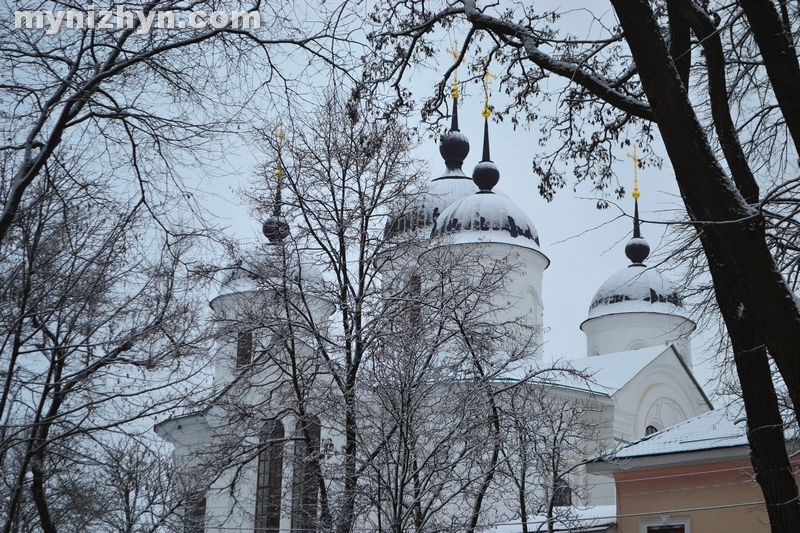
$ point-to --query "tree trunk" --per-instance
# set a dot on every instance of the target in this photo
(730, 229)
(764, 423)
(755, 301)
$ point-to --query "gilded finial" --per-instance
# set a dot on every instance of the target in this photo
(635, 177)
(455, 53)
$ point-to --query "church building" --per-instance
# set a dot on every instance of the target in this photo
(636, 373)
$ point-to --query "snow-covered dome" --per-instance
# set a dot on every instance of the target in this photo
(636, 289)
(487, 216)
(270, 269)
(277, 265)
(451, 186)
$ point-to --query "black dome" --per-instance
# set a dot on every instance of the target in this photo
(275, 229)
(454, 148)
(637, 250)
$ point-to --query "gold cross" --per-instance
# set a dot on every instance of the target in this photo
(486, 75)
(281, 140)
(455, 53)
(635, 177)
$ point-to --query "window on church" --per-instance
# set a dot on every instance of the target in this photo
(649, 430)
(244, 349)
(305, 487)
(415, 307)
(562, 496)
(195, 517)
(269, 478)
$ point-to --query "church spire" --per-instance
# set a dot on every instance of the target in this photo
(486, 174)
(637, 248)
(275, 228)
(454, 146)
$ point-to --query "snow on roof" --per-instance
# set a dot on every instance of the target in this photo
(721, 428)
(577, 519)
(487, 217)
(613, 371)
(635, 289)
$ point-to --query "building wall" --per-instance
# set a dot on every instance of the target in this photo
(690, 492)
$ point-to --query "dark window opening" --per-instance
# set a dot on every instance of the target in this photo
(270, 476)
(562, 496)
(649, 430)
(415, 290)
(306, 486)
(244, 349)
(195, 517)
(678, 528)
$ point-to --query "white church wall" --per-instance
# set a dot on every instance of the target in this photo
(621, 332)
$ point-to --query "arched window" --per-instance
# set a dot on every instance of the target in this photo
(649, 430)
(306, 486)
(268, 483)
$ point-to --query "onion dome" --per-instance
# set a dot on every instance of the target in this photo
(636, 288)
(637, 248)
(487, 216)
(451, 186)
(276, 229)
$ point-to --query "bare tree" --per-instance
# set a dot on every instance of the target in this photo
(137, 97)
(551, 431)
(99, 330)
(359, 364)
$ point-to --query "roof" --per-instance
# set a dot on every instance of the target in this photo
(487, 217)
(613, 371)
(721, 428)
(635, 289)
(596, 518)
(270, 267)
(713, 437)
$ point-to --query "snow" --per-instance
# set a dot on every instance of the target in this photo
(714, 429)
(487, 217)
(268, 266)
(613, 371)
(580, 519)
(635, 289)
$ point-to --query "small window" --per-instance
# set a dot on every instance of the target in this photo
(649, 430)
(562, 496)
(195, 518)
(244, 349)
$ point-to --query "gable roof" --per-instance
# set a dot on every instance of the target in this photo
(613, 371)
